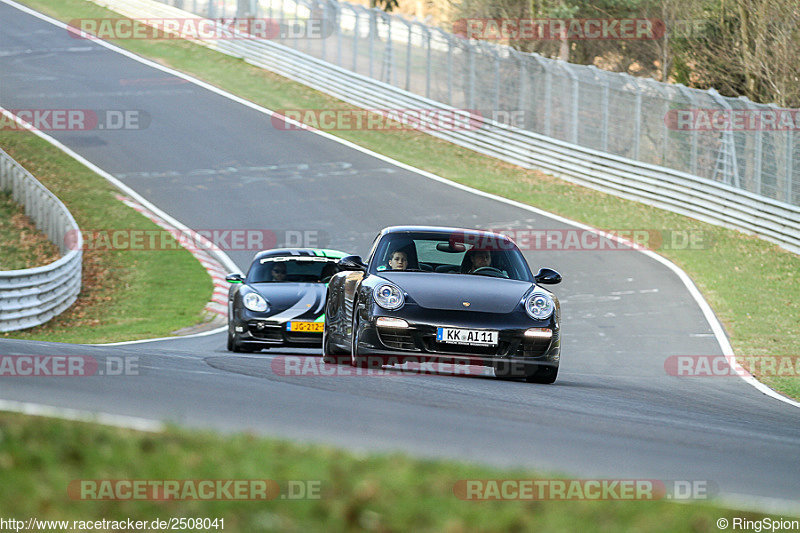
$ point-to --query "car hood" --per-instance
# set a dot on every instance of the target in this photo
(293, 300)
(450, 291)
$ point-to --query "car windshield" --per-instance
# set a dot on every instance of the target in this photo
(292, 269)
(450, 253)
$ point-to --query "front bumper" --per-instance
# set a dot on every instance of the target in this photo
(267, 332)
(418, 342)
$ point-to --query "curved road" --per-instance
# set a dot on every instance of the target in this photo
(213, 163)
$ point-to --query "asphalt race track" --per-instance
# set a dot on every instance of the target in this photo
(211, 162)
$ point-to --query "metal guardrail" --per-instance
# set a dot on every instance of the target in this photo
(702, 198)
(35, 295)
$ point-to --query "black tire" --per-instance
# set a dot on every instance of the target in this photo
(543, 374)
(331, 355)
(355, 359)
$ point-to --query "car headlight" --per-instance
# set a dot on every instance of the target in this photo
(255, 302)
(388, 296)
(539, 306)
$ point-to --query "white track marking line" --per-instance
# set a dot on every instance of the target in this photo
(708, 313)
(121, 421)
(220, 329)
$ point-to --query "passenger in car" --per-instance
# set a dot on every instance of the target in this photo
(399, 260)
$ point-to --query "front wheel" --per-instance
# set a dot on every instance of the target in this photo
(356, 360)
(331, 355)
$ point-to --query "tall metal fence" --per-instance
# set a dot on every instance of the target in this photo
(615, 113)
(33, 296)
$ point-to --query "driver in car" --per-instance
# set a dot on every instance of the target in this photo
(279, 272)
(480, 259)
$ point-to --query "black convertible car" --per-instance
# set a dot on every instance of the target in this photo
(281, 300)
(445, 295)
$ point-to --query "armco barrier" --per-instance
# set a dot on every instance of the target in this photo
(35, 295)
(680, 192)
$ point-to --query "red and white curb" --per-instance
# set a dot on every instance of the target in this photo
(219, 298)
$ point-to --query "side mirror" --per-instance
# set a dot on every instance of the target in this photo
(547, 276)
(234, 278)
(353, 263)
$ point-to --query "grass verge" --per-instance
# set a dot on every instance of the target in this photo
(39, 458)
(126, 294)
(22, 245)
(752, 285)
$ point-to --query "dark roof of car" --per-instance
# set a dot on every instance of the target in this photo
(312, 252)
(440, 229)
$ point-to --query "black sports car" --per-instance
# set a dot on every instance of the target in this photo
(282, 299)
(445, 295)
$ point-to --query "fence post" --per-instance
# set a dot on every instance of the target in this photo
(757, 152)
(523, 71)
(637, 123)
(450, 69)
(471, 76)
(355, 39)
(296, 18)
(574, 97)
(605, 105)
(388, 53)
(337, 13)
(410, 31)
(373, 29)
(427, 62)
(789, 164)
(496, 81)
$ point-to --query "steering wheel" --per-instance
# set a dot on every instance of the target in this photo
(490, 271)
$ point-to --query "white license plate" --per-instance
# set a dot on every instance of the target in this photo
(476, 337)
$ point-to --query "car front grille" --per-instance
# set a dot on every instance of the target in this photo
(268, 333)
(534, 347)
(397, 339)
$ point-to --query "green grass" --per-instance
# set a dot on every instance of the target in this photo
(126, 294)
(40, 457)
(22, 245)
